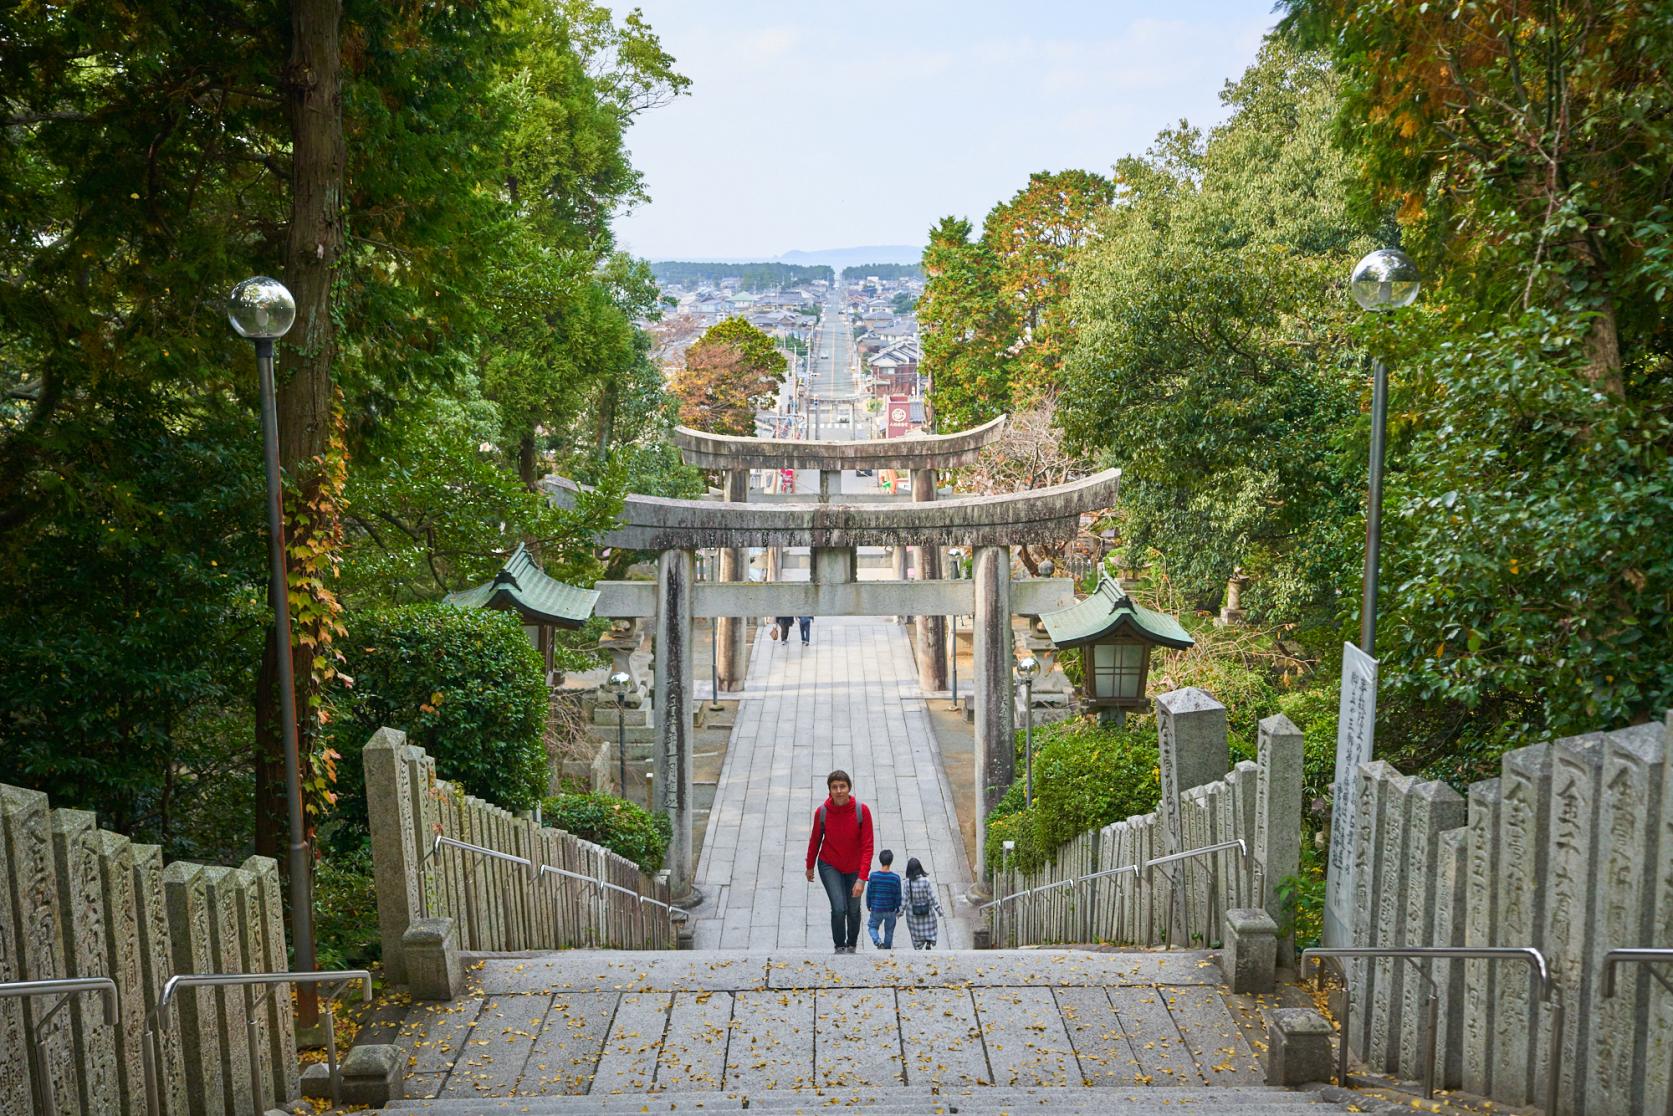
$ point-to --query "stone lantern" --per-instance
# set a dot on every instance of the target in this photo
(1116, 635)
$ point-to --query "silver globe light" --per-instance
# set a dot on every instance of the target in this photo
(1047, 567)
(1028, 668)
(261, 309)
(1386, 279)
(619, 683)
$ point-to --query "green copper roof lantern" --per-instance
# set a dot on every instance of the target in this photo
(523, 587)
(1117, 634)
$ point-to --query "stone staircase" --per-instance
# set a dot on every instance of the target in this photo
(1054, 1031)
(908, 1101)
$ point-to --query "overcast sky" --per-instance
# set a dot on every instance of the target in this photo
(854, 122)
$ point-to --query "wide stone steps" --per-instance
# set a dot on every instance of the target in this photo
(1252, 1100)
(801, 1030)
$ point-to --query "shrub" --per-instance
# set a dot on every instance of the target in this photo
(625, 829)
(1085, 777)
(465, 685)
(346, 910)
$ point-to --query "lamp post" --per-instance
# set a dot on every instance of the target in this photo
(619, 683)
(262, 310)
(1027, 669)
(1385, 280)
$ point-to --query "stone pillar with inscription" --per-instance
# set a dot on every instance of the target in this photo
(1191, 741)
(1657, 1048)
(1389, 913)
(83, 928)
(1368, 818)
(115, 857)
(1448, 930)
(1524, 817)
(1627, 865)
(1481, 904)
(674, 708)
(1355, 729)
(1277, 820)
(1435, 809)
(232, 1002)
(281, 1022)
(395, 856)
(1570, 884)
(157, 965)
(188, 923)
(732, 631)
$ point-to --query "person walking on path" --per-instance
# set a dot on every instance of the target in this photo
(840, 845)
(883, 901)
(781, 627)
(921, 905)
(806, 624)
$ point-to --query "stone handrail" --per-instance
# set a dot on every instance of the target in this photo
(86, 905)
(440, 853)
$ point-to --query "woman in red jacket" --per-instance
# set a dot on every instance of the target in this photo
(841, 845)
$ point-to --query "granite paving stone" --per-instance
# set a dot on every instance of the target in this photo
(848, 700)
(940, 1037)
(565, 1056)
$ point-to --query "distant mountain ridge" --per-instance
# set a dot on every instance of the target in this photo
(837, 258)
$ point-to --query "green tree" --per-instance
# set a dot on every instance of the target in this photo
(967, 327)
(1525, 151)
(1034, 236)
(1212, 362)
(730, 373)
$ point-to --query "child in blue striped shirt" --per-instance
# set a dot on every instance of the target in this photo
(883, 901)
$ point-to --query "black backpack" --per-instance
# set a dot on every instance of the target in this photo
(920, 907)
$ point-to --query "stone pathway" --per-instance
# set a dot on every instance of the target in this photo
(576, 1023)
(850, 701)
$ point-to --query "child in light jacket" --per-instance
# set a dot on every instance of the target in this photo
(922, 906)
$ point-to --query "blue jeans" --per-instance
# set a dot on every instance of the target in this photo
(805, 623)
(845, 905)
(887, 922)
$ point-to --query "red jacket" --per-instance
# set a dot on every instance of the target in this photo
(847, 838)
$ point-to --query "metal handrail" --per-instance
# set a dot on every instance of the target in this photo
(1136, 869)
(537, 872)
(1634, 956)
(1213, 882)
(63, 988)
(1539, 975)
(335, 980)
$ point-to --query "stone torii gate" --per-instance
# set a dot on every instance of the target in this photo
(832, 528)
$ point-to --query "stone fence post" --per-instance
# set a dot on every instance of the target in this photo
(1277, 848)
(395, 855)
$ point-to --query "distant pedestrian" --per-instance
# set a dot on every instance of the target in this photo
(806, 624)
(841, 845)
(782, 630)
(883, 901)
(921, 905)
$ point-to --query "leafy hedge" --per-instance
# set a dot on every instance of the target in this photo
(465, 685)
(617, 824)
(1085, 776)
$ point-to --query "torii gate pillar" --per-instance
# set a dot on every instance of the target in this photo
(732, 630)
(674, 706)
(931, 630)
(996, 750)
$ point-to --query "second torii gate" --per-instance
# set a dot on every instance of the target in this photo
(989, 524)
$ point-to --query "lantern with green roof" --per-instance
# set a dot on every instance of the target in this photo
(1116, 634)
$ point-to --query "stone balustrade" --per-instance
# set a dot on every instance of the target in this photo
(1570, 851)
(78, 901)
(496, 904)
(1184, 902)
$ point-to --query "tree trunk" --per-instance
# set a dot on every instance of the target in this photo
(311, 85)
(1603, 339)
(527, 462)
